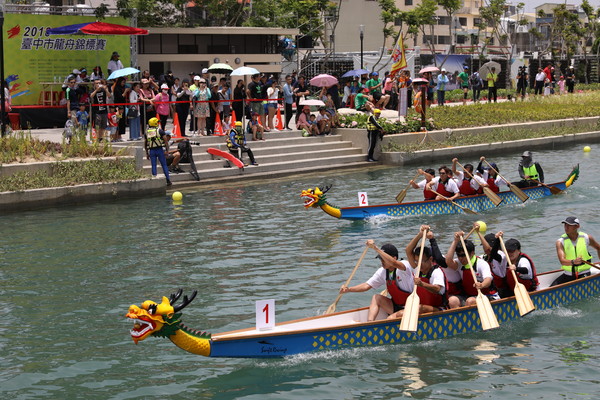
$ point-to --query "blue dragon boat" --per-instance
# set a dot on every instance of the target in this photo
(316, 198)
(345, 329)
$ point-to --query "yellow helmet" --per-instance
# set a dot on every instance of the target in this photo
(377, 111)
(153, 121)
(238, 123)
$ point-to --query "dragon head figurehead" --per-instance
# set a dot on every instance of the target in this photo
(163, 320)
(316, 198)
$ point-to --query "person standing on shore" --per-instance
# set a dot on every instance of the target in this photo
(156, 146)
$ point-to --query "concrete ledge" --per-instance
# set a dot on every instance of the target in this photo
(428, 156)
(50, 197)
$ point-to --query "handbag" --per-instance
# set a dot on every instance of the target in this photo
(133, 112)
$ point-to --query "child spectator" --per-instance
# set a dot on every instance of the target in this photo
(561, 85)
(313, 125)
(226, 123)
(547, 87)
(323, 121)
(113, 122)
(255, 128)
(82, 118)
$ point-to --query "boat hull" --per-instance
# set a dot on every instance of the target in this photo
(439, 207)
(433, 326)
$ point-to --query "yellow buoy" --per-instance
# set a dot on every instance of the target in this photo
(587, 149)
(177, 196)
(482, 226)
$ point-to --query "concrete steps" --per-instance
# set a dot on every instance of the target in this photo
(281, 153)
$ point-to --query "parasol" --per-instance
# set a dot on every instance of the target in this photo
(312, 102)
(241, 71)
(220, 69)
(123, 72)
(323, 80)
(429, 69)
(487, 68)
(355, 72)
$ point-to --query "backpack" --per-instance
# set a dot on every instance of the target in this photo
(475, 80)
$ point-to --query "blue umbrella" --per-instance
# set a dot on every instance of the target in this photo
(123, 72)
(355, 72)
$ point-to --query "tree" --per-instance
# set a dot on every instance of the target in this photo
(589, 30)
(451, 7)
(490, 26)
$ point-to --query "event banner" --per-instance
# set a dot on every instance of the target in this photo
(37, 63)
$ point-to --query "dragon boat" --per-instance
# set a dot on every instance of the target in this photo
(344, 329)
(316, 198)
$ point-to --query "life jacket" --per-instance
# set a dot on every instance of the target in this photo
(465, 188)
(492, 184)
(441, 189)
(428, 298)
(238, 137)
(499, 281)
(428, 194)
(417, 102)
(468, 282)
(372, 124)
(572, 252)
(153, 138)
(531, 172)
(530, 284)
(399, 296)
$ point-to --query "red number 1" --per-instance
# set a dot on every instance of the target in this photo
(266, 311)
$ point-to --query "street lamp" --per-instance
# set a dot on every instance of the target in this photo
(362, 36)
(3, 83)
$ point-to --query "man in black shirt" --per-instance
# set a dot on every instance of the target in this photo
(99, 100)
(254, 94)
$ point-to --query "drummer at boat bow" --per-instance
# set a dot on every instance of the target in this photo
(530, 172)
(572, 250)
(444, 185)
(398, 276)
(482, 269)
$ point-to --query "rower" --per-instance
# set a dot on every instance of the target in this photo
(530, 172)
(469, 182)
(490, 176)
(483, 273)
(572, 250)
(445, 186)
(429, 175)
(521, 263)
(431, 282)
(497, 260)
(396, 274)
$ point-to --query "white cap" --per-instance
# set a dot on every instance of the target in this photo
(76, 71)
(164, 86)
(443, 69)
(197, 78)
(205, 71)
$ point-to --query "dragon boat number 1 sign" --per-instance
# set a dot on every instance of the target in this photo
(265, 314)
(363, 199)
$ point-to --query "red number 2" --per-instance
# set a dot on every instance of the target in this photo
(362, 198)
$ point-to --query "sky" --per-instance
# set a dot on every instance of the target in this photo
(530, 5)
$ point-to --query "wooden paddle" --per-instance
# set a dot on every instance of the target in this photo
(494, 198)
(484, 307)
(591, 264)
(400, 197)
(465, 209)
(410, 317)
(331, 308)
(470, 232)
(524, 301)
(517, 191)
(552, 189)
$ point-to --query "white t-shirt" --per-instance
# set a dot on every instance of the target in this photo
(498, 181)
(404, 279)
(450, 186)
(499, 267)
(483, 269)
(524, 263)
(437, 278)
(322, 117)
(272, 94)
(475, 182)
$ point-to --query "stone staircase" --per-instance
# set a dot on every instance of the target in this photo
(281, 153)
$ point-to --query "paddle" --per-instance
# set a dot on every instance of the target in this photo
(494, 198)
(331, 308)
(518, 192)
(552, 189)
(465, 209)
(410, 317)
(591, 264)
(484, 307)
(470, 232)
(521, 294)
(400, 197)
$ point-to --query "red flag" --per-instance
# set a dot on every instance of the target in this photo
(398, 56)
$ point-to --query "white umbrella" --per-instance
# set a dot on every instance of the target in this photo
(123, 72)
(241, 71)
(487, 68)
(312, 102)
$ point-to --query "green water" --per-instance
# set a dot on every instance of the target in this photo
(68, 276)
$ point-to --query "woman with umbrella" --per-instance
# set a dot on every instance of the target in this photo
(118, 91)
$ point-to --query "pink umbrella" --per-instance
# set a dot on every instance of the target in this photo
(420, 81)
(323, 80)
(429, 69)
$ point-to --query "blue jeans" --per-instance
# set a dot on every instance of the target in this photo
(441, 97)
(134, 128)
(159, 153)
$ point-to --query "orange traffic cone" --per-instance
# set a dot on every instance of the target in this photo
(278, 120)
(232, 118)
(93, 134)
(218, 127)
(176, 133)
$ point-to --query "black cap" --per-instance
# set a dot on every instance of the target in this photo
(526, 154)
(512, 245)
(571, 221)
(390, 250)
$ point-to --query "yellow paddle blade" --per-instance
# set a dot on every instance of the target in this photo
(486, 313)
(519, 193)
(494, 198)
(523, 299)
(410, 317)
(401, 196)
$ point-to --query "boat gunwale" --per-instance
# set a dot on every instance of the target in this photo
(227, 336)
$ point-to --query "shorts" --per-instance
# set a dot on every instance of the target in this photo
(101, 121)
(257, 107)
(271, 105)
(170, 159)
(377, 96)
(397, 307)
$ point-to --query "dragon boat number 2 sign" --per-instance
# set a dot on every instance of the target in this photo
(363, 199)
(265, 314)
